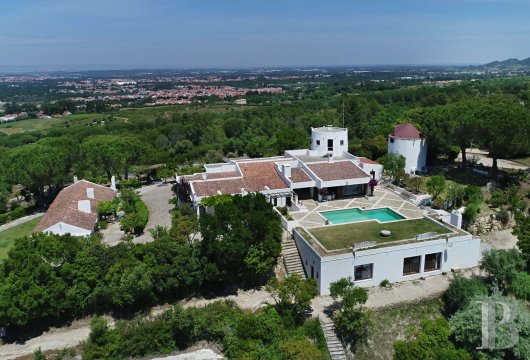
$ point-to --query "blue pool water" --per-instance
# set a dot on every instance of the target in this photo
(354, 215)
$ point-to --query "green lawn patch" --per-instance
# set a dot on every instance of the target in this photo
(344, 236)
(8, 237)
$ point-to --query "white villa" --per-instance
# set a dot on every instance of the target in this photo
(327, 171)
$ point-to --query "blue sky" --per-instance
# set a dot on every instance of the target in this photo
(235, 33)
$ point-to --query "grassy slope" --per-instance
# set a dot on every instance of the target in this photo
(391, 325)
(131, 114)
(344, 236)
(8, 237)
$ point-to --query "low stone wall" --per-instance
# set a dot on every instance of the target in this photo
(489, 223)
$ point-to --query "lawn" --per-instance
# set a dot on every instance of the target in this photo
(30, 125)
(8, 237)
(391, 325)
(344, 236)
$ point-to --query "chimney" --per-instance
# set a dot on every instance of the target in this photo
(90, 193)
(204, 176)
(113, 183)
(287, 170)
(75, 179)
(84, 206)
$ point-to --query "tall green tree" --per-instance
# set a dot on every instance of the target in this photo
(504, 129)
(43, 168)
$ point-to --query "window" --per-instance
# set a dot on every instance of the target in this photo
(363, 272)
(342, 142)
(318, 142)
(391, 140)
(330, 144)
(411, 265)
(432, 262)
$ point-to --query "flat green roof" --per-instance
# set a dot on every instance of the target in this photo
(335, 237)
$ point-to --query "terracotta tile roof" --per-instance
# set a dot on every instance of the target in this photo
(215, 175)
(406, 131)
(225, 186)
(368, 161)
(339, 170)
(65, 206)
(259, 174)
(299, 175)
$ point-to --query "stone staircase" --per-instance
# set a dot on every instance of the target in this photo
(336, 350)
(291, 257)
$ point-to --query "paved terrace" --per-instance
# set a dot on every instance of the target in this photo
(382, 198)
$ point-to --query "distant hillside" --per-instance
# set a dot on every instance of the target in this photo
(509, 64)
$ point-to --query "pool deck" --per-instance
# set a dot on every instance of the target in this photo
(382, 198)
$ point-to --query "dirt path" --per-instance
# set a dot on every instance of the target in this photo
(69, 336)
(20, 221)
(78, 331)
(487, 161)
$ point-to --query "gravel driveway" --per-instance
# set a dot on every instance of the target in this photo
(156, 197)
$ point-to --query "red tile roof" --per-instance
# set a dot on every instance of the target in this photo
(65, 206)
(368, 161)
(257, 176)
(260, 174)
(299, 175)
(225, 186)
(214, 175)
(406, 131)
(338, 170)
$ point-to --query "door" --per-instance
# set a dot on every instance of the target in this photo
(312, 271)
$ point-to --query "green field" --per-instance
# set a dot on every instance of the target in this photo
(31, 125)
(344, 236)
(129, 114)
(8, 237)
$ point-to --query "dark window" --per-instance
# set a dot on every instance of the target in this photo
(363, 272)
(330, 144)
(432, 262)
(342, 142)
(391, 140)
(411, 265)
(317, 274)
(312, 272)
(318, 142)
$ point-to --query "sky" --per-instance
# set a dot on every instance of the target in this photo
(85, 34)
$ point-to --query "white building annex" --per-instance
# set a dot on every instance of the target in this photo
(327, 171)
(393, 261)
(406, 140)
(75, 209)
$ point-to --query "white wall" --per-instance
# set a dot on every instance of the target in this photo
(337, 135)
(378, 168)
(457, 253)
(414, 151)
(62, 228)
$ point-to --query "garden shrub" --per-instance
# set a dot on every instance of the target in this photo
(461, 290)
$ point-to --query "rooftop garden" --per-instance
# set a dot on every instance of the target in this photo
(344, 236)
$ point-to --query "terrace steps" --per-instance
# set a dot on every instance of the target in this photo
(335, 347)
(291, 258)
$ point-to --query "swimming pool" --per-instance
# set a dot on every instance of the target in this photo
(354, 215)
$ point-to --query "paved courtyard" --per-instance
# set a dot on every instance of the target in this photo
(382, 198)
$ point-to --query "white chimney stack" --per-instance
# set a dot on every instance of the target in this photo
(75, 179)
(84, 206)
(90, 193)
(113, 183)
(287, 170)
